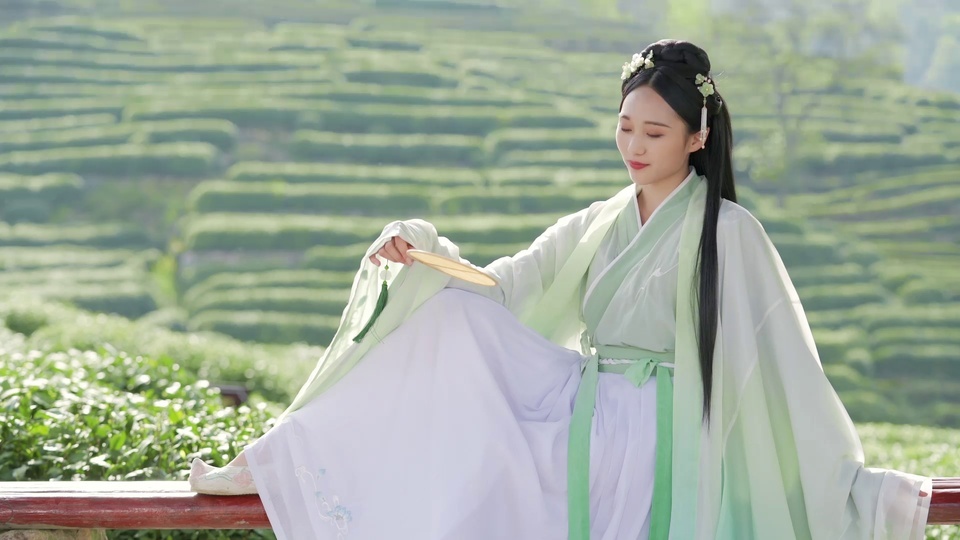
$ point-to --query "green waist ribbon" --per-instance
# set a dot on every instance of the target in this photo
(641, 366)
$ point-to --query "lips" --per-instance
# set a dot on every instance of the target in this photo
(636, 165)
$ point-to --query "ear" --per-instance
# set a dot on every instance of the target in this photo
(694, 144)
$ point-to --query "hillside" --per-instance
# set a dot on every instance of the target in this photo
(225, 173)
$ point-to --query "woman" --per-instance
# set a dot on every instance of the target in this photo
(473, 419)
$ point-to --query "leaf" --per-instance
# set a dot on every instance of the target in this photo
(116, 442)
(101, 461)
(20, 472)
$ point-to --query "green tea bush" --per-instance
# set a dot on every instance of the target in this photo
(130, 299)
(300, 232)
(400, 76)
(828, 297)
(274, 279)
(70, 121)
(839, 158)
(832, 345)
(281, 197)
(458, 201)
(273, 232)
(275, 372)
(174, 159)
(106, 235)
(331, 173)
(203, 265)
(219, 133)
(933, 316)
(435, 118)
(269, 326)
(262, 113)
(261, 298)
(48, 108)
(59, 256)
(34, 199)
(408, 119)
(807, 250)
(606, 181)
(870, 406)
(107, 415)
(910, 361)
(335, 258)
(361, 95)
(76, 138)
(924, 291)
(593, 159)
(838, 275)
(441, 150)
(503, 141)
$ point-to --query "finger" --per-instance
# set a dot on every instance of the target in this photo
(375, 260)
(393, 253)
(402, 247)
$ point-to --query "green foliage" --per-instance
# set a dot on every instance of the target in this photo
(174, 159)
(273, 279)
(262, 113)
(441, 150)
(107, 415)
(274, 372)
(335, 173)
(106, 235)
(849, 296)
(34, 199)
(223, 196)
(837, 275)
(56, 123)
(269, 326)
(67, 257)
(43, 108)
(286, 299)
(798, 250)
(300, 232)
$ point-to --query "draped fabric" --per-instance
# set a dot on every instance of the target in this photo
(780, 458)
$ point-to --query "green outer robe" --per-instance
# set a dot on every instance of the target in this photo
(780, 459)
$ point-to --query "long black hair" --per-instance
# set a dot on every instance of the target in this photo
(673, 77)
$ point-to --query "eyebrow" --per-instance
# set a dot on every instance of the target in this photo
(625, 117)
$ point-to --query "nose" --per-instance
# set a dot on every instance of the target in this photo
(635, 146)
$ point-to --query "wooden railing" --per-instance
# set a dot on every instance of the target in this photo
(171, 505)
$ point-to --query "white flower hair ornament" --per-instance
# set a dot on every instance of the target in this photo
(705, 85)
(635, 64)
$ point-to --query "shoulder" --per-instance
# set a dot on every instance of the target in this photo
(740, 233)
(735, 219)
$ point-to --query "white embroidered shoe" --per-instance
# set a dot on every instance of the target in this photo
(229, 480)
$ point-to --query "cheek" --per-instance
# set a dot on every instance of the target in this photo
(621, 141)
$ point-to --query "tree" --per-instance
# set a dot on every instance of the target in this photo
(800, 53)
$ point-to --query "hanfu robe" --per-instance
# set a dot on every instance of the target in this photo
(780, 457)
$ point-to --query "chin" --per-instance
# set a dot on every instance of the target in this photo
(641, 177)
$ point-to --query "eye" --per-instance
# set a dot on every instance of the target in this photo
(654, 135)
(625, 130)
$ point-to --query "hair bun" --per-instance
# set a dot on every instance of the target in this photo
(683, 56)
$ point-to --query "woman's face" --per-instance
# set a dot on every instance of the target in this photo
(653, 140)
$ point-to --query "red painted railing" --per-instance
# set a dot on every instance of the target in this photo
(170, 505)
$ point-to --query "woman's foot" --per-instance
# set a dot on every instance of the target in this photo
(229, 480)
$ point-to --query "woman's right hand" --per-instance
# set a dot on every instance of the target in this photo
(395, 250)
